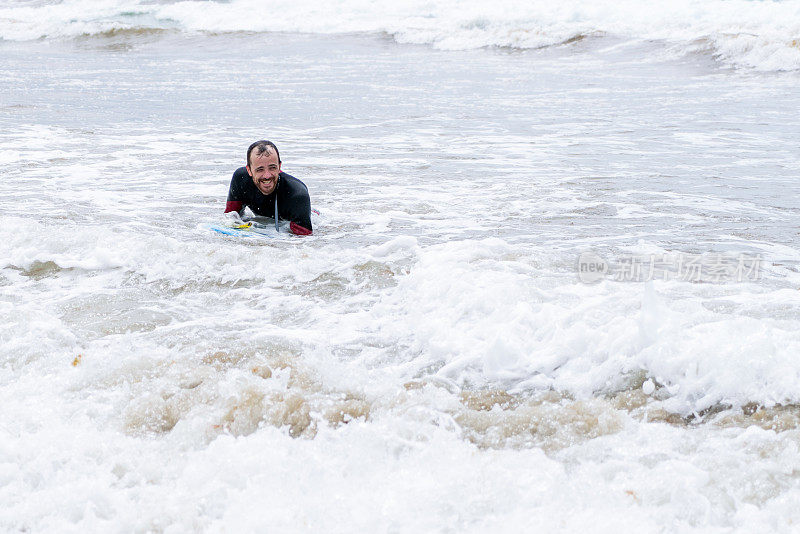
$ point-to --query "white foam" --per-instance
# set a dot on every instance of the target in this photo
(759, 35)
(428, 359)
(8, 156)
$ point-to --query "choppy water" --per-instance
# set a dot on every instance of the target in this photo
(428, 359)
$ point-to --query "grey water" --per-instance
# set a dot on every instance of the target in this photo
(432, 339)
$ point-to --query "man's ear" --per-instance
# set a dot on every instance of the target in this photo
(248, 170)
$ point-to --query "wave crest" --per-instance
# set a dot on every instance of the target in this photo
(739, 33)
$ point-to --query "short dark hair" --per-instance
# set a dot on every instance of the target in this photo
(260, 147)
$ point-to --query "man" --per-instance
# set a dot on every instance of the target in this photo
(259, 183)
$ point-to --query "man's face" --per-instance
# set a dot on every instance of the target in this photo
(264, 169)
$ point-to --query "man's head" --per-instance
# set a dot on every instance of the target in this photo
(264, 165)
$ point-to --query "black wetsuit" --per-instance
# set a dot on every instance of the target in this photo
(294, 204)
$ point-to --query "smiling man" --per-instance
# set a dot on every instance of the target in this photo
(262, 187)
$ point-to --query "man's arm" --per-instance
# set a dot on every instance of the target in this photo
(235, 197)
(300, 214)
(234, 205)
(296, 229)
(297, 207)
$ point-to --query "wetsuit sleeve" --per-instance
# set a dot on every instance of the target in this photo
(300, 213)
(235, 196)
(299, 230)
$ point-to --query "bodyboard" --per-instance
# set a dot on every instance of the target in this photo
(257, 227)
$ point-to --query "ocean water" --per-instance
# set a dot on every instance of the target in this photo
(553, 285)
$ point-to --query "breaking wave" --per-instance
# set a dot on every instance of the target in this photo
(760, 35)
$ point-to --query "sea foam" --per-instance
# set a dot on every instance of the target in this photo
(739, 33)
